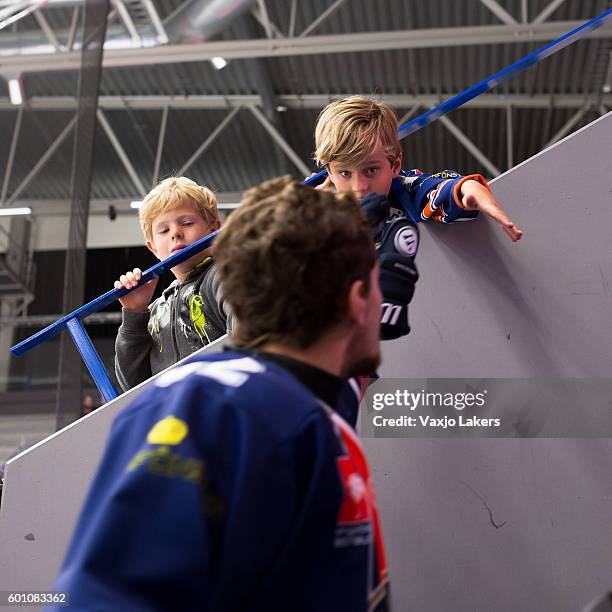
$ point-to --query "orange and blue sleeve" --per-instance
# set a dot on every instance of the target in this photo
(435, 197)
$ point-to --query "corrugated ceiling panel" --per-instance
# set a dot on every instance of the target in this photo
(245, 154)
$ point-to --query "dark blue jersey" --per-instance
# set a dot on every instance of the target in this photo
(228, 486)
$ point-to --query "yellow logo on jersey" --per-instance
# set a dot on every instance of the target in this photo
(168, 431)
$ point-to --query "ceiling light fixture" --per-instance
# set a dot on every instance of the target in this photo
(16, 92)
(218, 62)
(9, 212)
(136, 204)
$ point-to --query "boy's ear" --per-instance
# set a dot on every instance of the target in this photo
(396, 166)
(215, 225)
(152, 248)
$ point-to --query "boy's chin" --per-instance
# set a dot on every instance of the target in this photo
(190, 263)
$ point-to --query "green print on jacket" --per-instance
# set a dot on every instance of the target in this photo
(197, 317)
(155, 331)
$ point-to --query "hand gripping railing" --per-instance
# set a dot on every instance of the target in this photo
(72, 322)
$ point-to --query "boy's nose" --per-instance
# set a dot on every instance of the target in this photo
(361, 186)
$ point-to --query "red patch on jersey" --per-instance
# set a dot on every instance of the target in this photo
(359, 495)
(354, 508)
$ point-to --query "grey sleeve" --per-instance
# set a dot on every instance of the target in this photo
(222, 307)
(132, 349)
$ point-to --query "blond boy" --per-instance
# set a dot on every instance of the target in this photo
(189, 314)
(356, 141)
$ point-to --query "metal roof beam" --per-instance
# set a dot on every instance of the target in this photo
(499, 11)
(260, 12)
(303, 102)
(408, 114)
(47, 155)
(280, 141)
(227, 200)
(47, 30)
(74, 24)
(470, 146)
(322, 17)
(126, 19)
(304, 45)
(160, 145)
(567, 128)
(211, 138)
(162, 35)
(292, 17)
(548, 11)
(15, 17)
(14, 7)
(11, 157)
(125, 160)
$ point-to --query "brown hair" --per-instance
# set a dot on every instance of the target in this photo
(348, 130)
(174, 192)
(287, 258)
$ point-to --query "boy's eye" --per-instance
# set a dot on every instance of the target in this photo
(162, 230)
(187, 223)
(345, 174)
(372, 171)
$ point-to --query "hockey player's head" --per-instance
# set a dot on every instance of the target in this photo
(298, 268)
(174, 215)
(356, 141)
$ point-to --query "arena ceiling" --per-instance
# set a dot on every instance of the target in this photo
(165, 109)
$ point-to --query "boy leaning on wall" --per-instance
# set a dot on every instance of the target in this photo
(190, 313)
(356, 141)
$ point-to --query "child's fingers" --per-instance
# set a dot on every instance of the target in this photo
(514, 233)
(326, 185)
(130, 279)
(127, 281)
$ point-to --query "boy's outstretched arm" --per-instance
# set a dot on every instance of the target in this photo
(475, 196)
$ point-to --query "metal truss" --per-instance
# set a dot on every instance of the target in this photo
(298, 45)
(508, 103)
(140, 190)
(305, 102)
(138, 19)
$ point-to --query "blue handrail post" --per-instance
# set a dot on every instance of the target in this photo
(72, 321)
(92, 359)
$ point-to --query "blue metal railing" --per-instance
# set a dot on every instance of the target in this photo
(491, 81)
(72, 322)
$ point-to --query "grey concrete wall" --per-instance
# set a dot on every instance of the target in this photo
(470, 524)
(44, 489)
